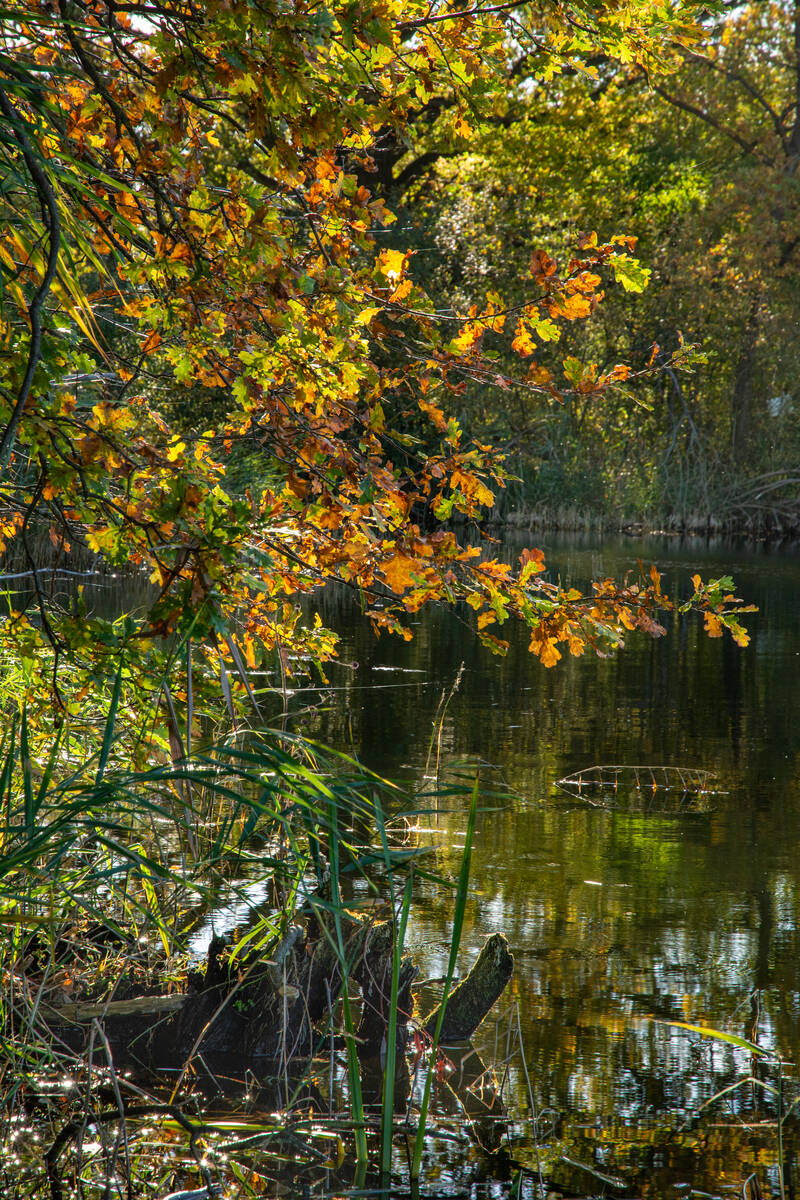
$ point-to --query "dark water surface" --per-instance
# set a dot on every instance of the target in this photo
(628, 915)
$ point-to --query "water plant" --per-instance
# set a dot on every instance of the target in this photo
(106, 875)
(458, 921)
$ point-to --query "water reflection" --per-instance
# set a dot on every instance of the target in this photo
(618, 917)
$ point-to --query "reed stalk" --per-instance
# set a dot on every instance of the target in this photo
(387, 1108)
(455, 941)
(353, 1065)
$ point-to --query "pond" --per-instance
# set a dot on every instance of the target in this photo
(629, 911)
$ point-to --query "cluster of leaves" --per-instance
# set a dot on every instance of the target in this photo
(187, 210)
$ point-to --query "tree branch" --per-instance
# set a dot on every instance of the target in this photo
(707, 117)
(478, 11)
(740, 78)
(794, 139)
(48, 201)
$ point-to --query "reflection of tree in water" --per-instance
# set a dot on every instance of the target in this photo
(617, 916)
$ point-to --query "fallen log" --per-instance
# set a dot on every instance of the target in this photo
(265, 1010)
(374, 976)
(144, 1005)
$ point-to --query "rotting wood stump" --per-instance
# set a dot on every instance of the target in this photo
(469, 1003)
(260, 1010)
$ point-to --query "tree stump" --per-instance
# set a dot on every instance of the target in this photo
(262, 1011)
(469, 1003)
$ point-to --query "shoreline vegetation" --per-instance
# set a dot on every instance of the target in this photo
(68, 576)
(112, 1037)
(765, 507)
(775, 525)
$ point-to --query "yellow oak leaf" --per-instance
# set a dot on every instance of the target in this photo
(543, 645)
(399, 572)
(365, 316)
(392, 263)
(713, 625)
(401, 291)
(434, 412)
(523, 343)
(572, 307)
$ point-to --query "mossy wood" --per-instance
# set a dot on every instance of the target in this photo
(469, 1003)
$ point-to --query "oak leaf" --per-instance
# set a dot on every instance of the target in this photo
(399, 572)
(542, 265)
(392, 263)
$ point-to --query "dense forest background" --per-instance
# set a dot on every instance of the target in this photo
(699, 164)
(697, 160)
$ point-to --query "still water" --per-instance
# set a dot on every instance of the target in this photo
(622, 917)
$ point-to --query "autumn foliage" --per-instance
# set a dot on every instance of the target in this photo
(189, 217)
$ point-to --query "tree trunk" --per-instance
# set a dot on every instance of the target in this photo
(742, 398)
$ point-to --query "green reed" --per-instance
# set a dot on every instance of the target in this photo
(462, 890)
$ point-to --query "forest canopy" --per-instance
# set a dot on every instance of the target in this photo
(230, 368)
(696, 156)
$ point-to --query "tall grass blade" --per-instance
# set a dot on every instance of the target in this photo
(226, 691)
(189, 696)
(27, 777)
(780, 1131)
(720, 1036)
(387, 1116)
(7, 774)
(745, 1081)
(353, 1066)
(176, 746)
(438, 723)
(108, 734)
(238, 662)
(48, 771)
(455, 940)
